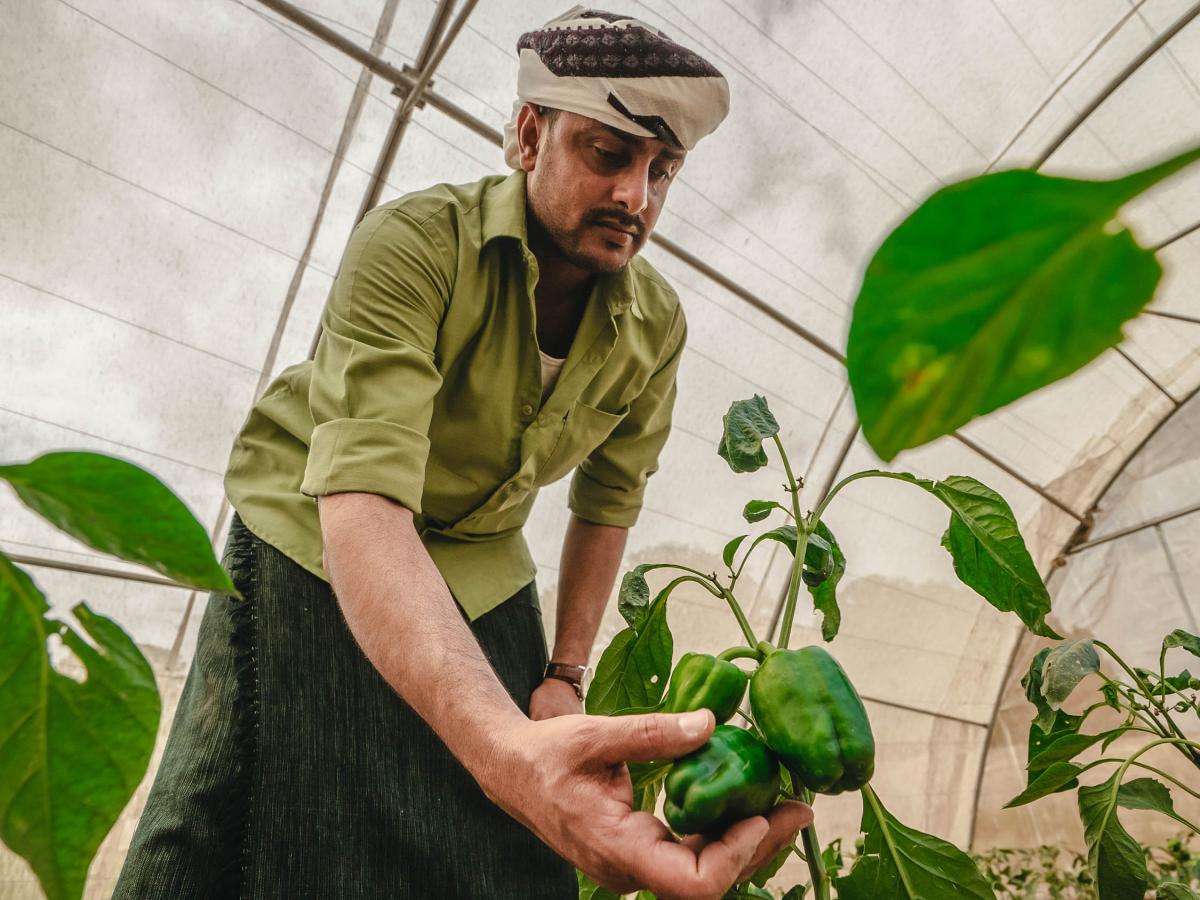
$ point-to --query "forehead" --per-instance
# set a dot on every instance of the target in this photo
(589, 127)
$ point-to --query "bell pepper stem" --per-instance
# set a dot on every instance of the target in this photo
(739, 653)
(812, 857)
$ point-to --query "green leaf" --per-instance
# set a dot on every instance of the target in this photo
(901, 862)
(1181, 638)
(795, 892)
(1116, 860)
(633, 670)
(644, 773)
(757, 510)
(994, 287)
(645, 796)
(989, 553)
(731, 550)
(1173, 890)
(118, 508)
(1068, 746)
(71, 753)
(1059, 776)
(1112, 696)
(1065, 666)
(831, 858)
(589, 890)
(771, 867)
(825, 594)
(1151, 794)
(1062, 725)
(747, 424)
(633, 600)
(1032, 682)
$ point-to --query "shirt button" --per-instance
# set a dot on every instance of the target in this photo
(527, 410)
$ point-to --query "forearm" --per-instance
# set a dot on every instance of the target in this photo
(404, 618)
(591, 557)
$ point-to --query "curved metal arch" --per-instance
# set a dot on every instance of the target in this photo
(1107, 91)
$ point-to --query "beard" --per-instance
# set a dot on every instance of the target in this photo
(568, 242)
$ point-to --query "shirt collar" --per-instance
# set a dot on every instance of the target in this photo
(503, 211)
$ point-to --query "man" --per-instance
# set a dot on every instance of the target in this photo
(344, 732)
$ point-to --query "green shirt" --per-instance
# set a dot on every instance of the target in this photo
(426, 389)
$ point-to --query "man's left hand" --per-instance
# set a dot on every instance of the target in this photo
(554, 697)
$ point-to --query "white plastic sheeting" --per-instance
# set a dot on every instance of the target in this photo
(179, 179)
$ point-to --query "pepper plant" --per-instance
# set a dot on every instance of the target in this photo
(994, 287)
(72, 752)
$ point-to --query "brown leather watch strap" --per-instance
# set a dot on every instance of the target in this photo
(573, 675)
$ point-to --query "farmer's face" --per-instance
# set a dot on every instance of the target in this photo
(595, 192)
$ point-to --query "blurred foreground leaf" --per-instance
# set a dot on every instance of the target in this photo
(994, 287)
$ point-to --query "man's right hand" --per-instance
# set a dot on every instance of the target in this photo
(565, 779)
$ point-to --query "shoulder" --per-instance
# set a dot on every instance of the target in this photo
(658, 302)
(440, 205)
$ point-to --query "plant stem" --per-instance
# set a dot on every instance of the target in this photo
(739, 653)
(740, 616)
(812, 854)
(802, 532)
(804, 529)
(1186, 746)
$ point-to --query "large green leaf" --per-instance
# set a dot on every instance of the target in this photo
(71, 752)
(825, 594)
(994, 287)
(1065, 666)
(119, 508)
(1117, 861)
(989, 553)
(898, 862)
(747, 424)
(633, 670)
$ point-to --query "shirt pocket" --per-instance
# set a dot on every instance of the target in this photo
(587, 427)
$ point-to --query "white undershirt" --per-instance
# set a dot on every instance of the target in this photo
(551, 366)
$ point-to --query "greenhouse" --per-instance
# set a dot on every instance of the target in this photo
(955, 242)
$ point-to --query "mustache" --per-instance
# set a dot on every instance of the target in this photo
(618, 217)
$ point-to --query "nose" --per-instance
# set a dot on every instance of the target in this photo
(632, 188)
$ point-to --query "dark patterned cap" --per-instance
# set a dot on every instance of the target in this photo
(620, 71)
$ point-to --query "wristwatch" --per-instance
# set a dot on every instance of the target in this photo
(573, 675)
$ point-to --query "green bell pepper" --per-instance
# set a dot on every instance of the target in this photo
(811, 716)
(732, 777)
(701, 681)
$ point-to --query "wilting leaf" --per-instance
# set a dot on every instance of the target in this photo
(1032, 682)
(747, 424)
(1181, 638)
(1065, 666)
(757, 510)
(633, 600)
(825, 594)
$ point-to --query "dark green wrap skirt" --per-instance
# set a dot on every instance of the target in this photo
(293, 770)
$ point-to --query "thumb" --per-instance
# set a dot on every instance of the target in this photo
(651, 736)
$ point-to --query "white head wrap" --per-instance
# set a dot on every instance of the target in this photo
(619, 71)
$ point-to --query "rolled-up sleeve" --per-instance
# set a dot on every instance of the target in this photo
(609, 485)
(374, 376)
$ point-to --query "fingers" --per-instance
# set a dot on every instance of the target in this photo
(674, 871)
(651, 736)
(785, 821)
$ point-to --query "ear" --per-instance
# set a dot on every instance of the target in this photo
(531, 135)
